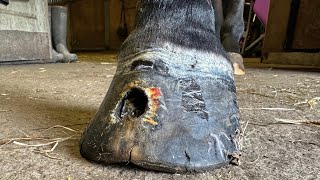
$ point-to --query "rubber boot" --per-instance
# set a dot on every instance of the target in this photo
(59, 16)
(57, 57)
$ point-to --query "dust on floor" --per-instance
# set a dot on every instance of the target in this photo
(34, 98)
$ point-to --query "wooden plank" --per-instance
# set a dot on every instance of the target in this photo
(114, 20)
(276, 29)
(307, 31)
(87, 25)
(256, 63)
(293, 58)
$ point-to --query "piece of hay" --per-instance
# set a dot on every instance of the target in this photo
(239, 140)
(312, 102)
(268, 109)
(37, 140)
(304, 121)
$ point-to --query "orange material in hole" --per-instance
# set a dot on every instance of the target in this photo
(154, 94)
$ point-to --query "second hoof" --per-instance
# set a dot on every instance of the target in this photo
(237, 62)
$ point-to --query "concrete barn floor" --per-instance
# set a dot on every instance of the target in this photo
(34, 98)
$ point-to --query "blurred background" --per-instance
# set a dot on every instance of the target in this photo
(278, 32)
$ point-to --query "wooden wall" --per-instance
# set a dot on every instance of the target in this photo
(307, 30)
(276, 30)
(87, 21)
(94, 23)
(114, 17)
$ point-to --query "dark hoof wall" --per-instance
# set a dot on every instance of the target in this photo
(166, 119)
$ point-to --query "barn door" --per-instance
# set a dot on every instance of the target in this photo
(88, 25)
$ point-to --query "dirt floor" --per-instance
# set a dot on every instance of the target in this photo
(36, 98)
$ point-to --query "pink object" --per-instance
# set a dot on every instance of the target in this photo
(261, 8)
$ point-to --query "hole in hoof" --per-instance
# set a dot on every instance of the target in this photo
(133, 104)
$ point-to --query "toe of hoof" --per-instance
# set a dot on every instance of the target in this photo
(238, 70)
(237, 61)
